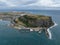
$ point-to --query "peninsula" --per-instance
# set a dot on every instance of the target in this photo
(22, 20)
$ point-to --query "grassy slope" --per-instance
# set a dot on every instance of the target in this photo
(26, 19)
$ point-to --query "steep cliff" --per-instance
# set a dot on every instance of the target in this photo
(34, 21)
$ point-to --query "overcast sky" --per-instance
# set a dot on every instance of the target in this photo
(30, 4)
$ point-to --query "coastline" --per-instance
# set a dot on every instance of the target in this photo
(49, 32)
(36, 29)
(39, 31)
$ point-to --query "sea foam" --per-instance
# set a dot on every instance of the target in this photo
(49, 32)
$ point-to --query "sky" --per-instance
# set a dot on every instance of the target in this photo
(30, 4)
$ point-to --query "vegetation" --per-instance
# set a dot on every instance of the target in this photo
(28, 20)
(36, 21)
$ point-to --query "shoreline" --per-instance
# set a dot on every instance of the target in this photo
(36, 29)
(49, 32)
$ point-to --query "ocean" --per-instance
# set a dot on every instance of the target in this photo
(11, 36)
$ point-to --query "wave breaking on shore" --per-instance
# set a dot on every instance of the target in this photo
(49, 32)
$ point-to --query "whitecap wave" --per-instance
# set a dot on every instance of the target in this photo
(55, 24)
(49, 32)
(31, 29)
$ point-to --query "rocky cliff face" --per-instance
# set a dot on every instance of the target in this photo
(34, 21)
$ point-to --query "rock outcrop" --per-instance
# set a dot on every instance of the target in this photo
(34, 21)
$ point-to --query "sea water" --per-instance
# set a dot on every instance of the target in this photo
(11, 36)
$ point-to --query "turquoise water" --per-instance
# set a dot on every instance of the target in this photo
(11, 36)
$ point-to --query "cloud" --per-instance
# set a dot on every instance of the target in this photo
(31, 4)
(16, 3)
(45, 3)
(8, 3)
